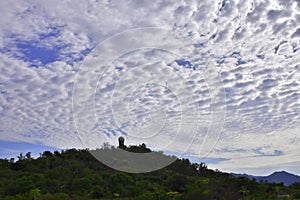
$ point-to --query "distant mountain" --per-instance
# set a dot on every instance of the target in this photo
(277, 177)
(245, 175)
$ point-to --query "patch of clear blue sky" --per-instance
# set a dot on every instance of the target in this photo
(35, 53)
(43, 50)
(38, 50)
(184, 63)
(275, 153)
(10, 149)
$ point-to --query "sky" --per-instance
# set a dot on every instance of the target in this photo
(214, 81)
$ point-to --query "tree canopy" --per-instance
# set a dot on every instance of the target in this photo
(76, 174)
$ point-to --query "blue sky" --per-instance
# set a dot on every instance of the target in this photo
(240, 71)
(13, 149)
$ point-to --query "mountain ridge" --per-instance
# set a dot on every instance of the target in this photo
(276, 177)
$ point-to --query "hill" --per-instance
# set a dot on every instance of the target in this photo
(76, 174)
(276, 177)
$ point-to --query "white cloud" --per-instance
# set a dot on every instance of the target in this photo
(254, 44)
(257, 154)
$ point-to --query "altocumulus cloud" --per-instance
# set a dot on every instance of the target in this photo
(254, 46)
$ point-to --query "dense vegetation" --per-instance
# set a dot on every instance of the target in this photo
(76, 174)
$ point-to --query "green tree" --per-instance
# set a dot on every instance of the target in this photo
(244, 192)
(28, 156)
(20, 157)
(35, 194)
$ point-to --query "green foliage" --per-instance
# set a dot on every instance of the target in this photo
(76, 174)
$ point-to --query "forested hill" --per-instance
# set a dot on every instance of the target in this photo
(76, 174)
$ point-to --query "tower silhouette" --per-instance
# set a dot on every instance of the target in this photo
(121, 142)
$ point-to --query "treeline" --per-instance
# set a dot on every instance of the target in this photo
(76, 174)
